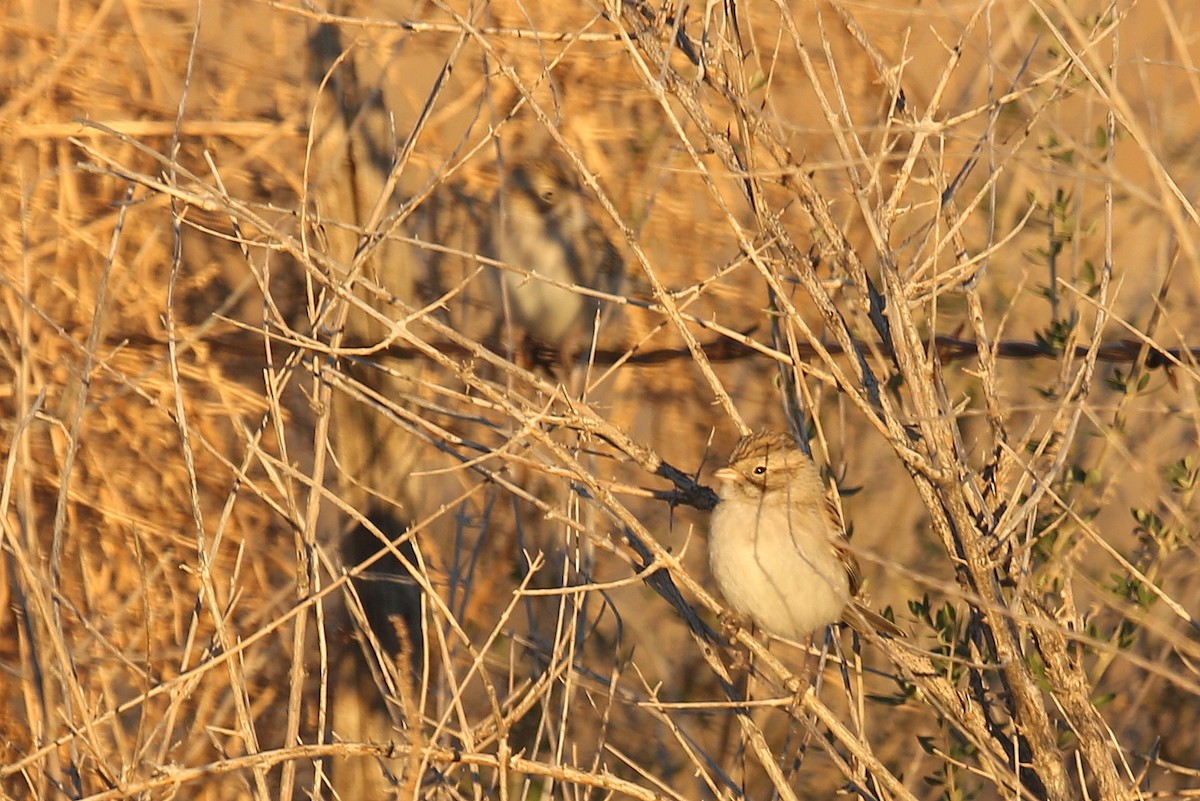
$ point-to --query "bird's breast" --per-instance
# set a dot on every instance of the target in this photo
(777, 565)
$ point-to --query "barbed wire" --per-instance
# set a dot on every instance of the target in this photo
(724, 349)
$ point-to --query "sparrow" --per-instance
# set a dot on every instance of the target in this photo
(544, 227)
(777, 547)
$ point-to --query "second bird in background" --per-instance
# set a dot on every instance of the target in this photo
(543, 225)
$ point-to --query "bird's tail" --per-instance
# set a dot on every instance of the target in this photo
(868, 622)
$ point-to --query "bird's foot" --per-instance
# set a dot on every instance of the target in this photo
(732, 623)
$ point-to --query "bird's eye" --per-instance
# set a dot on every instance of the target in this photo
(761, 470)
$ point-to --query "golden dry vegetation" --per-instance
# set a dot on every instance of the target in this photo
(290, 509)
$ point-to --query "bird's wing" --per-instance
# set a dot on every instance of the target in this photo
(845, 555)
(850, 563)
(857, 615)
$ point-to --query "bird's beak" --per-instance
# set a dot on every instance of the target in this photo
(726, 474)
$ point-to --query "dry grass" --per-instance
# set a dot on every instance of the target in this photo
(285, 514)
